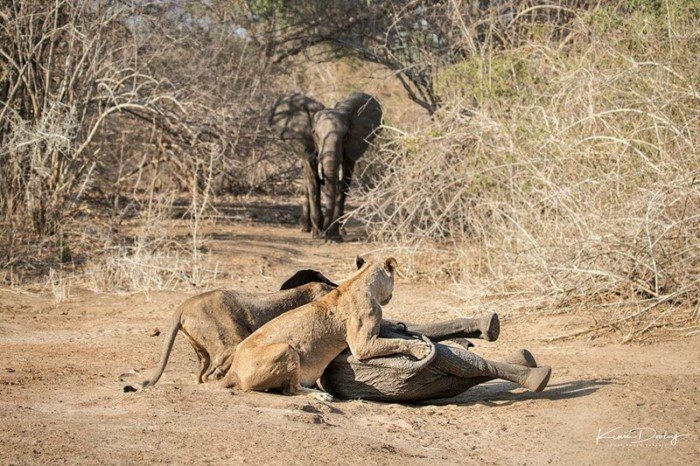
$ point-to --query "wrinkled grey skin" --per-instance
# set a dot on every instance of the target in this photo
(342, 135)
(329, 142)
(399, 378)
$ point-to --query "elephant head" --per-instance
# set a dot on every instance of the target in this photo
(341, 136)
(292, 118)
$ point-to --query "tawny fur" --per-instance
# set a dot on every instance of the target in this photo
(291, 351)
(217, 321)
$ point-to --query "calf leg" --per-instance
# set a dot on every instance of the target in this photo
(464, 364)
(487, 328)
(449, 385)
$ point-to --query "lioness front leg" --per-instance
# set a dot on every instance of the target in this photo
(365, 343)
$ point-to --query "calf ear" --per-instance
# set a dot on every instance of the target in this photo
(390, 265)
(359, 262)
(302, 277)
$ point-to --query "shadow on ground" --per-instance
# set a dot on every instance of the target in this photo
(499, 393)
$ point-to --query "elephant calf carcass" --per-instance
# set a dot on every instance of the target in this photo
(399, 378)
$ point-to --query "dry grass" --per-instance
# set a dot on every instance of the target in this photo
(565, 174)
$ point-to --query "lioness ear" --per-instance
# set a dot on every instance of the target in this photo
(390, 265)
(359, 262)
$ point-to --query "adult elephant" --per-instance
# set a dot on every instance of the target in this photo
(329, 140)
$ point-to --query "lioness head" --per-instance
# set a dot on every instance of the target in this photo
(382, 277)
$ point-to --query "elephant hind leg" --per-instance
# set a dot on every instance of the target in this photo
(462, 363)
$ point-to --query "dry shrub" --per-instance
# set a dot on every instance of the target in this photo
(568, 172)
(161, 254)
(155, 262)
(101, 103)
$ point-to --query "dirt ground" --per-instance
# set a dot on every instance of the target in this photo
(62, 402)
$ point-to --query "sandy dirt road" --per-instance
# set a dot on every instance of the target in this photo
(61, 399)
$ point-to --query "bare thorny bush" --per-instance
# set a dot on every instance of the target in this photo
(562, 174)
(106, 109)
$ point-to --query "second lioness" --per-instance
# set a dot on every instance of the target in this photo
(291, 351)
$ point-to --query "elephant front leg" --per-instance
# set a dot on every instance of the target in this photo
(305, 219)
(329, 199)
(312, 200)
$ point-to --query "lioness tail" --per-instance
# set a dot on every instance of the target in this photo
(165, 355)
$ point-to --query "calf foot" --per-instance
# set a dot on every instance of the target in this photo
(522, 358)
(490, 327)
(538, 378)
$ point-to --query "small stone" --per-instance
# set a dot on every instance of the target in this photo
(154, 332)
(10, 370)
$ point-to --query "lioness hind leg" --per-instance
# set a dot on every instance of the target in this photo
(274, 366)
(204, 361)
(266, 367)
(219, 366)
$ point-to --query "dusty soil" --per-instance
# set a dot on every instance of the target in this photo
(62, 401)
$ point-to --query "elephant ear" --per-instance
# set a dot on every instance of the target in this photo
(292, 118)
(302, 277)
(365, 116)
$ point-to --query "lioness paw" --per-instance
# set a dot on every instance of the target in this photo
(420, 349)
(323, 396)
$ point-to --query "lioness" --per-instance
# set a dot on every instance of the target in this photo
(217, 321)
(291, 351)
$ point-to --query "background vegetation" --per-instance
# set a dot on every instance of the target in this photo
(549, 152)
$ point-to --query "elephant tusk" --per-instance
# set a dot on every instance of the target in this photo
(320, 171)
(340, 173)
